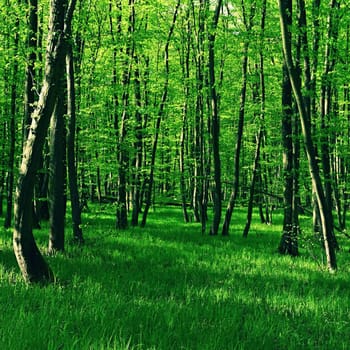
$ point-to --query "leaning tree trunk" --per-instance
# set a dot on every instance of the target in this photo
(32, 264)
(327, 228)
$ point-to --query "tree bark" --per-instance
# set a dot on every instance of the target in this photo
(326, 105)
(138, 145)
(72, 170)
(12, 130)
(32, 264)
(288, 243)
(215, 122)
(327, 228)
(252, 184)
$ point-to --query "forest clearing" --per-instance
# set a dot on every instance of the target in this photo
(168, 287)
(174, 174)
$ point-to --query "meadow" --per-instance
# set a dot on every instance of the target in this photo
(168, 287)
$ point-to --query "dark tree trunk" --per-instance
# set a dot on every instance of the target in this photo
(123, 152)
(30, 90)
(288, 243)
(326, 104)
(33, 266)
(2, 167)
(199, 212)
(327, 224)
(185, 64)
(72, 170)
(215, 123)
(57, 174)
(136, 195)
(252, 185)
(12, 130)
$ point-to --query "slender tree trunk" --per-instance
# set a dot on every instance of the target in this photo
(57, 174)
(12, 130)
(185, 64)
(288, 243)
(123, 153)
(30, 87)
(29, 96)
(252, 185)
(32, 264)
(136, 195)
(238, 146)
(150, 182)
(327, 227)
(261, 132)
(200, 162)
(182, 165)
(215, 122)
(72, 170)
(326, 105)
(2, 167)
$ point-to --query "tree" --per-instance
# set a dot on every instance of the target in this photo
(32, 264)
(325, 211)
(12, 126)
(150, 180)
(57, 172)
(215, 121)
(71, 135)
(248, 23)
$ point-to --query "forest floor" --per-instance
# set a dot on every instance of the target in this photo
(168, 287)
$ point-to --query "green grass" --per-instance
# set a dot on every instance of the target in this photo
(168, 287)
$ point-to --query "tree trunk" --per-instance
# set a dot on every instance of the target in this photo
(252, 185)
(72, 170)
(136, 195)
(57, 174)
(29, 96)
(325, 105)
(327, 228)
(12, 130)
(215, 122)
(123, 152)
(288, 243)
(150, 180)
(32, 264)
(237, 154)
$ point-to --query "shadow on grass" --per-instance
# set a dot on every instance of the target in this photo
(202, 295)
(168, 287)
